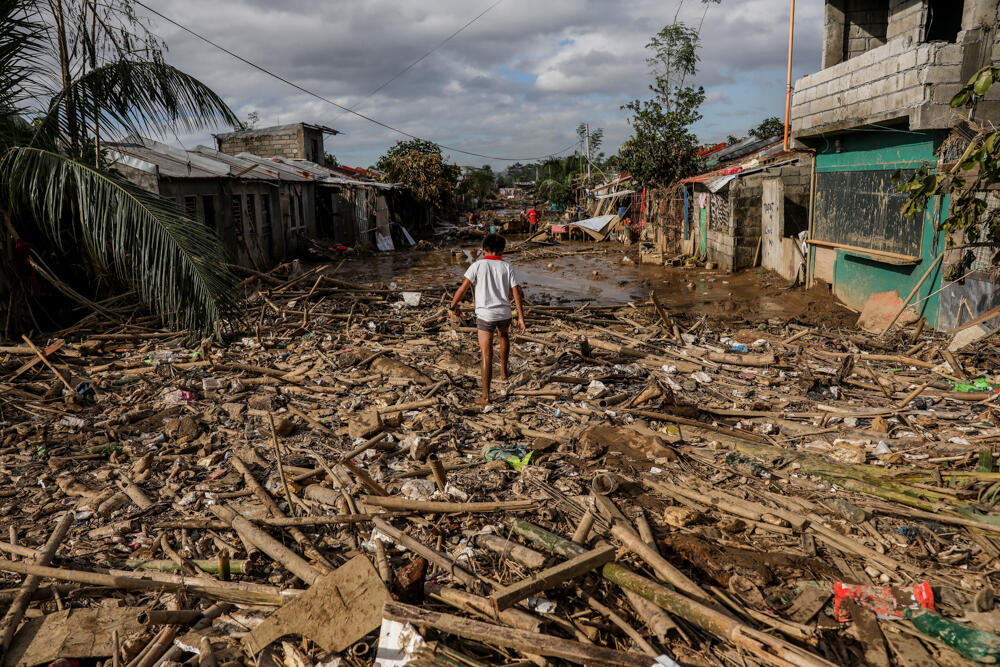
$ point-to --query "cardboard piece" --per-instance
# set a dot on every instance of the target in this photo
(74, 633)
(879, 310)
(336, 611)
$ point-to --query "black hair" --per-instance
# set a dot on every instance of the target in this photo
(494, 243)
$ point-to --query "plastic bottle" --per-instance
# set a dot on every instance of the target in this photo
(977, 645)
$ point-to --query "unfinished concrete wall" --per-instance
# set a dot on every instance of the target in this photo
(905, 80)
(865, 25)
(907, 19)
(746, 197)
(298, 141)
(144, 179)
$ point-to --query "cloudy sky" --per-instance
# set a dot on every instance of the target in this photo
(514, 84)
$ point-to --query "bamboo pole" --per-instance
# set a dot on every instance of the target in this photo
(772, 650)
(12, 619)
(219, 590)
(281, 465)
(281, 554)
(438, 507)
(265, 498)
(514, 617)
(442, 561)
(512, 550)
(131, 490)
(912, 293)
(521, 640)
(440, 477)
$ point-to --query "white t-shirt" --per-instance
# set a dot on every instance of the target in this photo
(494, 281)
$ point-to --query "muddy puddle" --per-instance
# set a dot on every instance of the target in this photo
(610, 275)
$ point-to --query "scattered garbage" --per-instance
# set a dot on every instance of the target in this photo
(647, 487)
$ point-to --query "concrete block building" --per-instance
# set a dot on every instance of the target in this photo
(749, 208)
(881, 105)
(300, 141)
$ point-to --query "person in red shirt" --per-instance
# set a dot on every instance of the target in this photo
(532, 217)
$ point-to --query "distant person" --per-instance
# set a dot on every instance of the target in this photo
(532, 218)
(495, 284)
(579, 212)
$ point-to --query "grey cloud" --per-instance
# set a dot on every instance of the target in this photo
(588, 56)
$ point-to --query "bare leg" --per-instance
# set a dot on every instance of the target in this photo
(486, 351)
(504, 336)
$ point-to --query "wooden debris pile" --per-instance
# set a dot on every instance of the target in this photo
(645, 488)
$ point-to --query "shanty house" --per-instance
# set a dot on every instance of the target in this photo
(260, 213)
(750, 208)
(880, 105)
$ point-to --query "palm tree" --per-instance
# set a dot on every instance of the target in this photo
(74, 73)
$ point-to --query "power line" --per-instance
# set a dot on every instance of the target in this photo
(442, 43)
(340, 106)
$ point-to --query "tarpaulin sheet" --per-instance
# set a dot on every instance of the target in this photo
(594, 224)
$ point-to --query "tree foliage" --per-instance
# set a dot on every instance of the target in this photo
(969, 220)
(596, 138)
(419, 165)
(87, 73)
(769, 127)
(478, 182)
(662, 148)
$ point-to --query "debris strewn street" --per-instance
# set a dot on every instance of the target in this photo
(653, 484)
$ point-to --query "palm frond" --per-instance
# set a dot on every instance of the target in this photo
(142, 99)
(175, 264)
(21, 39)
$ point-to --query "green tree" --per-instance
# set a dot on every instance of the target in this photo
(769, 127)
(970, 221)
(85, 73)
(419, 165)
(330, 160)
(478, 182)
(662, 148)
(596, 138)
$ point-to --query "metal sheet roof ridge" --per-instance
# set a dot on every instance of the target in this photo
(169, 164)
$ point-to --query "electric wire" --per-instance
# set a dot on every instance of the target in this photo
(340, 106)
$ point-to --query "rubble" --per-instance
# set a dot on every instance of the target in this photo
(648, 486)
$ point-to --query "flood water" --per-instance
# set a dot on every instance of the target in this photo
(570, 279)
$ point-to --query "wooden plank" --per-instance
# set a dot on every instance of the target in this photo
(807, 604)
(508, 596)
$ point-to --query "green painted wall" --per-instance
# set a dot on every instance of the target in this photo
(855, 277)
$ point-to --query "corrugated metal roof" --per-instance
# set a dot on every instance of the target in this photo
(736, 151)
(258, 168)
(204, 162)
(154, 157)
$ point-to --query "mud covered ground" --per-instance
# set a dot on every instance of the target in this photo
(609, 274)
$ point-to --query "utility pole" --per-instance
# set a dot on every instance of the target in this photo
(587, 139)
(788, 93)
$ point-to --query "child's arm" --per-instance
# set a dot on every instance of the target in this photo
(519, 304)
(459, 293)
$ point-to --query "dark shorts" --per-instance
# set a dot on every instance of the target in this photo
(490, 327)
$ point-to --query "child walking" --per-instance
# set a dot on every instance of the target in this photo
(495, 284)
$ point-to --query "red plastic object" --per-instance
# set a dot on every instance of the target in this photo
(882, 600)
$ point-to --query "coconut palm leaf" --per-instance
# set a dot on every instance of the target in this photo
(20, 42)
(175, 264)
(141, 99)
